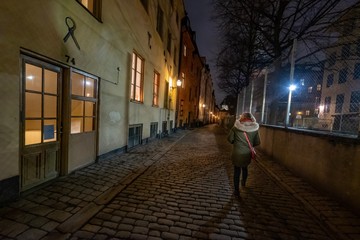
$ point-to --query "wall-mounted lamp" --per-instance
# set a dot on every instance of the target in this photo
(178, 83)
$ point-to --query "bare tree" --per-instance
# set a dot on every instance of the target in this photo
(259, 32)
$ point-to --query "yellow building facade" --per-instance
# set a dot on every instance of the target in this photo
(80, 80)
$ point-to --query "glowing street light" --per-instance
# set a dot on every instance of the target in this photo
(292, 87)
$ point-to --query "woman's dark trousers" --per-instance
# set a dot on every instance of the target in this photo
(237, 172)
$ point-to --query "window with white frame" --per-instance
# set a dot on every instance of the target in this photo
(83, 103)
(137, 76)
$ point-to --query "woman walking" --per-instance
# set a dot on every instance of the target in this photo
(243, 133)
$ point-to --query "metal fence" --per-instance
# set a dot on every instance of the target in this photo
(327, 93)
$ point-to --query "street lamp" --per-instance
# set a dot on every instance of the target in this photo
(292, 87)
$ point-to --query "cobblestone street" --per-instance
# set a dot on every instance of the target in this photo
(178, 187)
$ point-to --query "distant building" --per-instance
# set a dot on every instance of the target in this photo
(340, 101)
(196, 100)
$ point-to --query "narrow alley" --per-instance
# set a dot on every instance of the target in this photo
(178, 187)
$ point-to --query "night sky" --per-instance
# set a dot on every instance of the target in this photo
(200, 12)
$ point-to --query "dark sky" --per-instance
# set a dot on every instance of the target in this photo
(200, 12)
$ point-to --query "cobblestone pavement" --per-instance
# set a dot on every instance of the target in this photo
(178, 187)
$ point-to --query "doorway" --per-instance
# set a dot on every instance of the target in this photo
(40, 125)
(58, 128)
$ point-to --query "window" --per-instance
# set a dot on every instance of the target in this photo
(330, 80)
(339, 103)
(83, 103)
(184, 50)
(358, 47)
(153, 129)
(343, 75)
(137, 76)
(177, 19)
(135, 135)
(332, 59)
(169, 42)
(302, 82)
(309, 89)
(156, 86)
(345, 51)
(145, 4)
(327, 104)
(317, 100)
(355, 101)
(175, 58)
(318, 87)
(93, 6)
(316, 111)
(349, 25)
(357, 71)
(183, 79)
(159, 22)
(166, 95)
(41, 104)
(307, 112)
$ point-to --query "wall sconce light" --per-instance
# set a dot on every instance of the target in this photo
(178, 83)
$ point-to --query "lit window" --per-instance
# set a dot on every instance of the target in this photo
(184, 50)
(307, 112)
(41, 104)
(93, 6)
(302, 82)
(83, 103)
(309, 89)
(137, 75)
(156, 85)
(318, 87)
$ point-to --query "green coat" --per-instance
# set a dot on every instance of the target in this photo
(241, 155)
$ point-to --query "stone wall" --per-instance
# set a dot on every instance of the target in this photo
(329, 163)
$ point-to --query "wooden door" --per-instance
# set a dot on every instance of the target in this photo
(40, 125)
